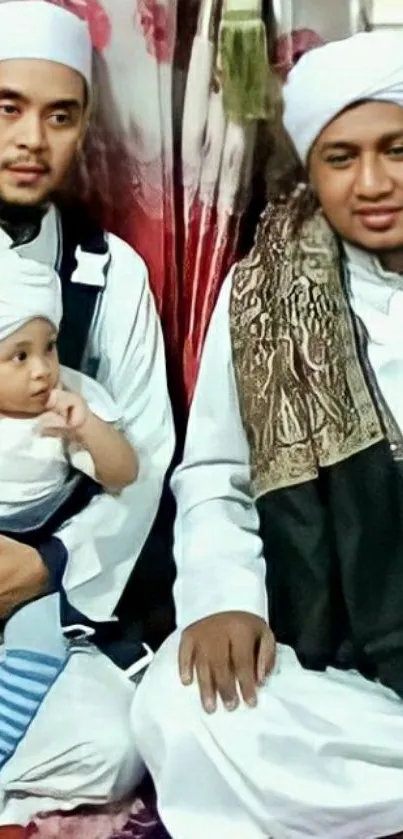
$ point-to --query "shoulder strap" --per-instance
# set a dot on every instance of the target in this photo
(79, 299)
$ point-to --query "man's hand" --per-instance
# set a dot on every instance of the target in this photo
(226, 650)
(23, 575)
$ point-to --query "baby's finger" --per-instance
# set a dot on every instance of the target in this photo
(50, 421)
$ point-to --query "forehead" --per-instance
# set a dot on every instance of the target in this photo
(41, 82)
(365, 125)
(33, 329)
(37, 330)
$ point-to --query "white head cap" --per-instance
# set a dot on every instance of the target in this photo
(329, 79)
(28, 290)
(39, 29)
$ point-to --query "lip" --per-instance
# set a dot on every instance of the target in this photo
(27, 174)
(379, 218)
(41, 394)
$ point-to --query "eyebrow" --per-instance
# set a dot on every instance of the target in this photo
(342, 145)
(64, 104)
(27, 342)
(20, 345)
(7, 352)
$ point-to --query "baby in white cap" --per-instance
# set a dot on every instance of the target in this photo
(50, 418)
(54, 423)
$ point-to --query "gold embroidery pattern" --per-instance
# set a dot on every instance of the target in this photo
(303, 395)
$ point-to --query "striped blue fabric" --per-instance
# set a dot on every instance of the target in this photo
(25, 678)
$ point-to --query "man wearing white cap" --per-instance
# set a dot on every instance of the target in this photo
(290, 497)
(79, 748)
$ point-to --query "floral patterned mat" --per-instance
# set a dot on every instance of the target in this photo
(139, 822)
(137, 819)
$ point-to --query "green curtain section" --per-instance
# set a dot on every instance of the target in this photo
(243, 62)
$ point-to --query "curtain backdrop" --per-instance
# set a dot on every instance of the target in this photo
(166, 165)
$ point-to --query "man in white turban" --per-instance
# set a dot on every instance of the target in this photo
(79, 748)
(283, 711)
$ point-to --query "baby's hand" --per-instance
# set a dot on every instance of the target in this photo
(65, 416)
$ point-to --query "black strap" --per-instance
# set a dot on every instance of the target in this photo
(121, 644)
(79, 300)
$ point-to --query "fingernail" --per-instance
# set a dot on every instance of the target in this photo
(209, 706)
(186, 678)
(252, 702)
(231, 704)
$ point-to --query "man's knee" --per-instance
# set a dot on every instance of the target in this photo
(107, 748)
(91, 753)
(112, 760)
(163, 707)
(161, 686)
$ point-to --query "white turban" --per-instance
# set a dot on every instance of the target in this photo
(329, 79)
(28, 290)
(38, 29)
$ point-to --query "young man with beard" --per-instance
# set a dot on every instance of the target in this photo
(290, 497)
(78, 748)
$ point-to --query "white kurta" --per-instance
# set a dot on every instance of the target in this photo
(80, 747)
(321, 755)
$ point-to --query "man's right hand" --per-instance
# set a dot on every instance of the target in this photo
(227, 650)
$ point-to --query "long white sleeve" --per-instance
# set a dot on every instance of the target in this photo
(105, 540)
(218, 549)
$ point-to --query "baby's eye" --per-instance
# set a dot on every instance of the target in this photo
(20, 357)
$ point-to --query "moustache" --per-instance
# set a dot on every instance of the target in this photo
(23, 161)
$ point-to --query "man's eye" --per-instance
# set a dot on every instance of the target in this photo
(339, 159)
(60, 119)
(7, 109)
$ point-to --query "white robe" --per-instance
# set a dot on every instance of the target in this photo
(322, 753)
(79, 748)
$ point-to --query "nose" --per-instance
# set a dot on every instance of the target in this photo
(31, 132)
(373, 181)
(40, 368)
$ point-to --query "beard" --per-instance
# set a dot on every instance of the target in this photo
(22, 222)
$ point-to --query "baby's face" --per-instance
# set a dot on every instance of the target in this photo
(29, 369)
